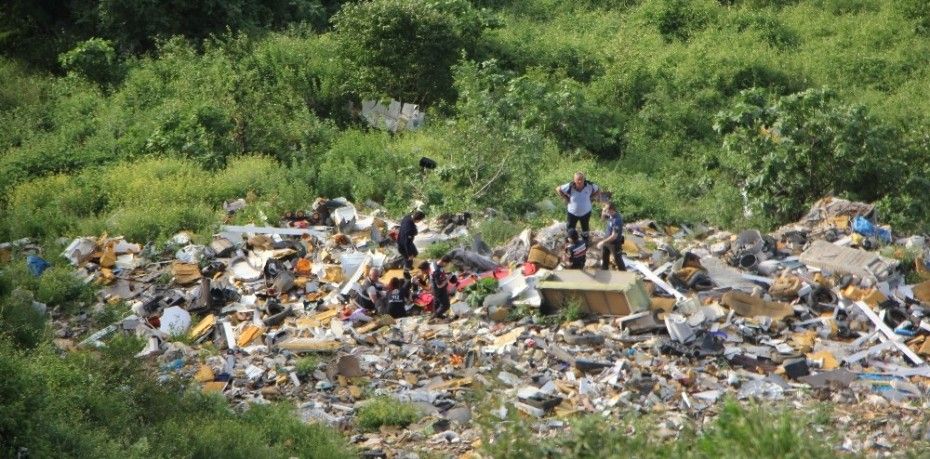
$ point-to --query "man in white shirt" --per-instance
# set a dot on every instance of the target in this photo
(578, 194)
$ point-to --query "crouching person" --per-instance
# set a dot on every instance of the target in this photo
(576, 250)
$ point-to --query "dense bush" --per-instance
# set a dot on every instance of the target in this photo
(94, 59)
(20, 322)
(552, 103)
(792, 150)
(626, 90)
(405, 48)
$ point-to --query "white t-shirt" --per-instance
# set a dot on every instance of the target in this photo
(579, 202)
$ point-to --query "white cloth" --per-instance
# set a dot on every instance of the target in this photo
(579, 202)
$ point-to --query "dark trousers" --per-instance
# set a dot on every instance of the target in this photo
(578, 263)
(440, 303)
(396, 309)
(573, 221)
(408, 252)
(615, 250)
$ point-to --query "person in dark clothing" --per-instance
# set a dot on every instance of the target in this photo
(371, 292)
(439, 281)
(576, 250)
(405, 235)
(612, 244)
(399, 295)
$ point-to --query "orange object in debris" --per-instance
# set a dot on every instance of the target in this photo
(108, 259)
(456, 360)
(248, 334)
(303, 267)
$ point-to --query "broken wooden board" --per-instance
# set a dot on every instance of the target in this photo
(655, 279)
(317, 320)
(310, 345)
(747, 305)
(202, 327)
(452, 384)
(376, 324)
(248, 334)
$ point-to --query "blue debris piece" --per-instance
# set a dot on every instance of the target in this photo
(37, 265)
(866, 228)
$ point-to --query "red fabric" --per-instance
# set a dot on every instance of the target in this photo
(425, 301)
(501, 273)
(529, 268)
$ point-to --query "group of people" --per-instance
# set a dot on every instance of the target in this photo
(579, 196)
(395, 297)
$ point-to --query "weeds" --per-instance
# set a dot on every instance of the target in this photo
(738, 432)
(306, 365)
(476, 293)
(386, 411)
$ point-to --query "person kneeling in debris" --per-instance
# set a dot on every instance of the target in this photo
(439, 281)
(372, 295)
(612, 244)
(576, 250)
(399, 295)
(405, 235)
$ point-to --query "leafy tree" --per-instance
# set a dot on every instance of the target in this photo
(94, 59)
(136, 24)
(787, 151)
(551, 102)
(406, 48)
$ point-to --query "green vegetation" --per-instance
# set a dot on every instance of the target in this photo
(737, 432)
(688, 111)
(93, 404)
(475, 293)
(387, 411)
(140, 118)
(306, 365)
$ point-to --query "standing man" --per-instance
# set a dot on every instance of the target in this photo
(439, 281)
(612, 244)
(578, 194)
(405, 235)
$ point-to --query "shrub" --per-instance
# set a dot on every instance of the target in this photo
(539, 99)
(786, 151)
(105, 404)
(94, 59)
(306, 365)
(386, 411)
(19, 320)
(678, 19)
(406, 48)
(60, 286)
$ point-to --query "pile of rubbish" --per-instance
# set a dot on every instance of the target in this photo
(831, 308)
